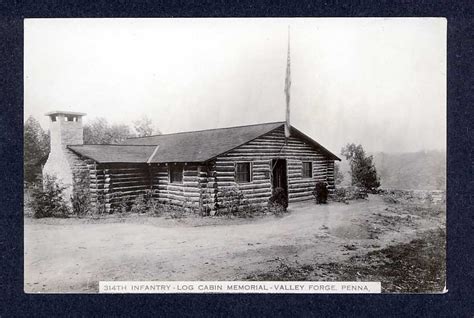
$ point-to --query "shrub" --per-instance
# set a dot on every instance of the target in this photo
(320, 192)
(145, 203)
(47, 199)
(80, 201)
(230, 200)
(166, 209)
(248, 209)
(153, 204)
(278, 202)
(276, 208)
(173, 211)
(340, 195)
(343, 194)
(100, 207)
(139, 205)
(121, 204)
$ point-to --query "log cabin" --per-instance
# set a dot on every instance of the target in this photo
(189, 169)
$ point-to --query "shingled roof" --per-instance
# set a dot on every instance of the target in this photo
(114, 153)
(193, 146)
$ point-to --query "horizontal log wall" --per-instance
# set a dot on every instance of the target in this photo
(110, 183)
(114, 183)
(192, 192)
(260, 153)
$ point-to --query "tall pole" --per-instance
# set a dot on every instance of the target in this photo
(287, 89)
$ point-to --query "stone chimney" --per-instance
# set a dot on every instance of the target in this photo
(65, 129)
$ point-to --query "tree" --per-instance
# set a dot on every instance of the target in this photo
(363, 170)
(35, 149)
(98, 131)
(48, 199)
(144, 127)
(338, 176)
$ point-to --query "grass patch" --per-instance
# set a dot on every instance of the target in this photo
(415, 267)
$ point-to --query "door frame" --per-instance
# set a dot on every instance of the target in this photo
(284, 164)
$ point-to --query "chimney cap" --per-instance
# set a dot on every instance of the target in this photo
(61, 112)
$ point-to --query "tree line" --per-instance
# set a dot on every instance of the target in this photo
(36, 140)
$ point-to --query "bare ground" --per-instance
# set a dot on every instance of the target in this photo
(356, 241)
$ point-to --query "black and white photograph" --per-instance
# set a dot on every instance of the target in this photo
(235, 155)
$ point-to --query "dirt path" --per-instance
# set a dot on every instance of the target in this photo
(73, 257)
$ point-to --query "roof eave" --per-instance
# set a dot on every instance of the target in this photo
(223, 153)
(64, 112)
(80, 154)
(316, 144)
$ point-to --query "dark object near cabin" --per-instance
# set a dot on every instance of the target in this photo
(279, 197)
(321, 193)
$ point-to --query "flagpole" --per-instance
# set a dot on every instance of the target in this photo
(287, 90)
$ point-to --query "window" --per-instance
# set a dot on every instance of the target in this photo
(242, 172)
(176, 174)
(307, 169)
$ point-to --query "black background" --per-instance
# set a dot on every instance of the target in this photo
(458, 302)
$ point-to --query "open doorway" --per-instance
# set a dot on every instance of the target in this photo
(279, 175)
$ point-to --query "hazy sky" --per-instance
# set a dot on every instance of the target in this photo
(378, 82)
